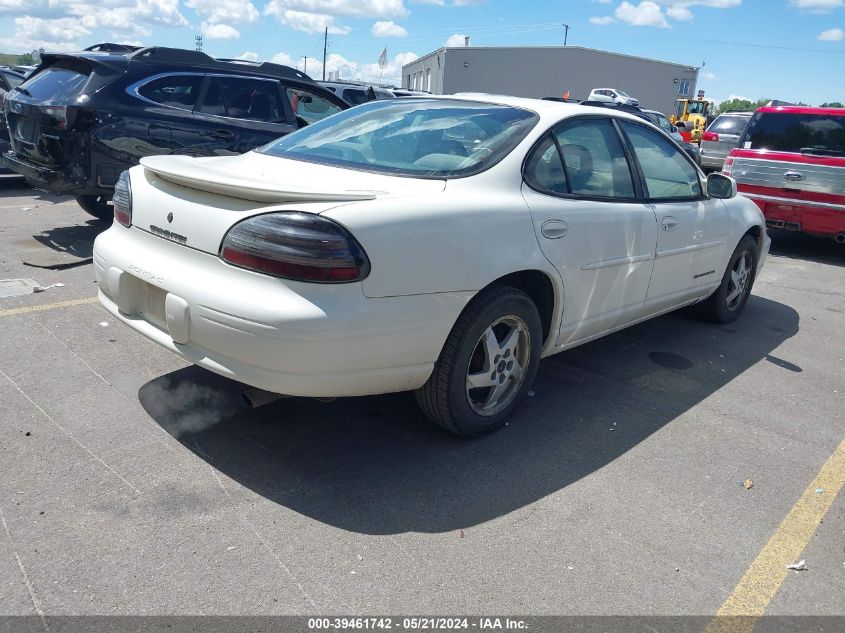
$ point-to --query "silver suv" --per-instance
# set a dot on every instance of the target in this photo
(721, 137)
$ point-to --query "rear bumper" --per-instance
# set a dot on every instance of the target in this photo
(816, 218)
(286, 337)
(51, 180)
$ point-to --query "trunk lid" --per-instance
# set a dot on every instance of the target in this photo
(194, 201)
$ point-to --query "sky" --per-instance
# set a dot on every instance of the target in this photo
(792, 50)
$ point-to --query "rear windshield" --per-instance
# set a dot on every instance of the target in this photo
(55, 84)
(793, 132)
(429, 138)
(729, 124)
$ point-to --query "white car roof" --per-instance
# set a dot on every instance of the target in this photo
(547, 110)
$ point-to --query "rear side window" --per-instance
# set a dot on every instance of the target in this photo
(594, 160)
(176, 91)
(793, 132)
(310, 107)
(544, 169)
(729, 124)
(56, 84)
(355, 96)
(252, 99)
(667, 172)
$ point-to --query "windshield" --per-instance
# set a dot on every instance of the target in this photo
(729, 124)
(622, 94)
(13, 79)
(697, 107)
(442, 138)
(793, 132)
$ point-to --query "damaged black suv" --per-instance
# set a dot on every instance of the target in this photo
(82, 118)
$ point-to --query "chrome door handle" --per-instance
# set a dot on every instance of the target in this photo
(794, 176)
(554, 229)
(669, 223)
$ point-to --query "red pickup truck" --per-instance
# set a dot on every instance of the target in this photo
(791, 162)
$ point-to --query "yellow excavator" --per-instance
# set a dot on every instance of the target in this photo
(691, 118)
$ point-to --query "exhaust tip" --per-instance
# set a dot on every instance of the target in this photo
(258, 397)
(840, 238)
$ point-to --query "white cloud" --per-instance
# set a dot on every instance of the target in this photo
(346, 8)
(458, 39)
(602, 21)
(28, 27)
(227, 11)
(817, 6)
(709, 76)
(602, 1)
(12, 6)
(387, 29)
(679, 12)
(308, 22)
(283, 58)
(646, 13)
(831, 35)
(248, 56)
(219, 31)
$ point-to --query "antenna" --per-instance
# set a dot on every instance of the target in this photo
(325, 45)
(565, 34)
(198, 43)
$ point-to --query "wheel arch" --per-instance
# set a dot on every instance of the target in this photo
(546, 293)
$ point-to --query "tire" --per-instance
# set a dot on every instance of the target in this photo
(98, 206)
(447, 398)
(723, 306)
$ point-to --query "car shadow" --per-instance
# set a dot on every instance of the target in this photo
(375, 465)
(76, 240)
(802, 246)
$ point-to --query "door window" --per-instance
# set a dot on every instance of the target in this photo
(252, 99)
(213, 102)
(667, 172)
(594, 160)
(176, 91)
(309, 106)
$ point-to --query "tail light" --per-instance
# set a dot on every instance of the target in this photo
(122, 200)
(297, 246)
(59, 113)
(728, 167)
(710, 136)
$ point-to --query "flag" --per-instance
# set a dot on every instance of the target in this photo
(382, 59)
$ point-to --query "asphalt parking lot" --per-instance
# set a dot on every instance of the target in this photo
(645, 476)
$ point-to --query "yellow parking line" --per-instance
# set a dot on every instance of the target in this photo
(47, 306)
(766, 574)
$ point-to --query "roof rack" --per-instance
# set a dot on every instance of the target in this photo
(110, 47)
(623, 107)
(560, 99)
(197, 58)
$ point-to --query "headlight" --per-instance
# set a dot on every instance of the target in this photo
(122, 200)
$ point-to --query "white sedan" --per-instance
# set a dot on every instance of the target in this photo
(442, 244)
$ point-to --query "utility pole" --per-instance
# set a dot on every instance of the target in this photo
(565, 33)
(325, 45)
(305, 67)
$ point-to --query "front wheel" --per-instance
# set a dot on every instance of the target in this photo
(487, 365)
(98, 206)
(729, 299)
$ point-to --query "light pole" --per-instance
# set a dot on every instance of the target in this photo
(565, 33)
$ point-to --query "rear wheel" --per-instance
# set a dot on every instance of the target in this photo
(486, 366)
(726, 304)
(98, 206)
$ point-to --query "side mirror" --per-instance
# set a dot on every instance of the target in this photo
(721, 186)
(674, 129)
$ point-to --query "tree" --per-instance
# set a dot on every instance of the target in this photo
(26, 59)
(832, 104)
(741, 104)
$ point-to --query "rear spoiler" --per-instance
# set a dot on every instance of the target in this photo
(203, 174)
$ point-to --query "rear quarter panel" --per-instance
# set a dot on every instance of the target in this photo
(452, 241)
